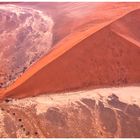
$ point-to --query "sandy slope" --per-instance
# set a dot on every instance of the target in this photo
(29, 30)
(104, 58)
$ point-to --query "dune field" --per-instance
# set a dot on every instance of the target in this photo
(69, 70)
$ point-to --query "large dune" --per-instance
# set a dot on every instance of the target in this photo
(30, 30)
(87, 67)
(108, 57)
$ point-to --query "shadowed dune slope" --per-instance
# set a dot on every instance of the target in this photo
(108, 57)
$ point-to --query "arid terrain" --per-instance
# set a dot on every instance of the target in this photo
(69, 69)
(107, 112)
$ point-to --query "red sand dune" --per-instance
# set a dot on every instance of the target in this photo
(105, 56)
(31, 40)
(93, 45)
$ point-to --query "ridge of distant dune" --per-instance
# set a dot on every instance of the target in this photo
(135, 42)
(107, 59)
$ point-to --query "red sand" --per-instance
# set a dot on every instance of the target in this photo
(71, 16)
(106, 57)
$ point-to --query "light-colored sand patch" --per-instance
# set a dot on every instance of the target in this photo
(129, 95)
(27, 102)
(126, 94)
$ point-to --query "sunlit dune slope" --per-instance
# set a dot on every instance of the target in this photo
(30, 31)
(107, 57)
